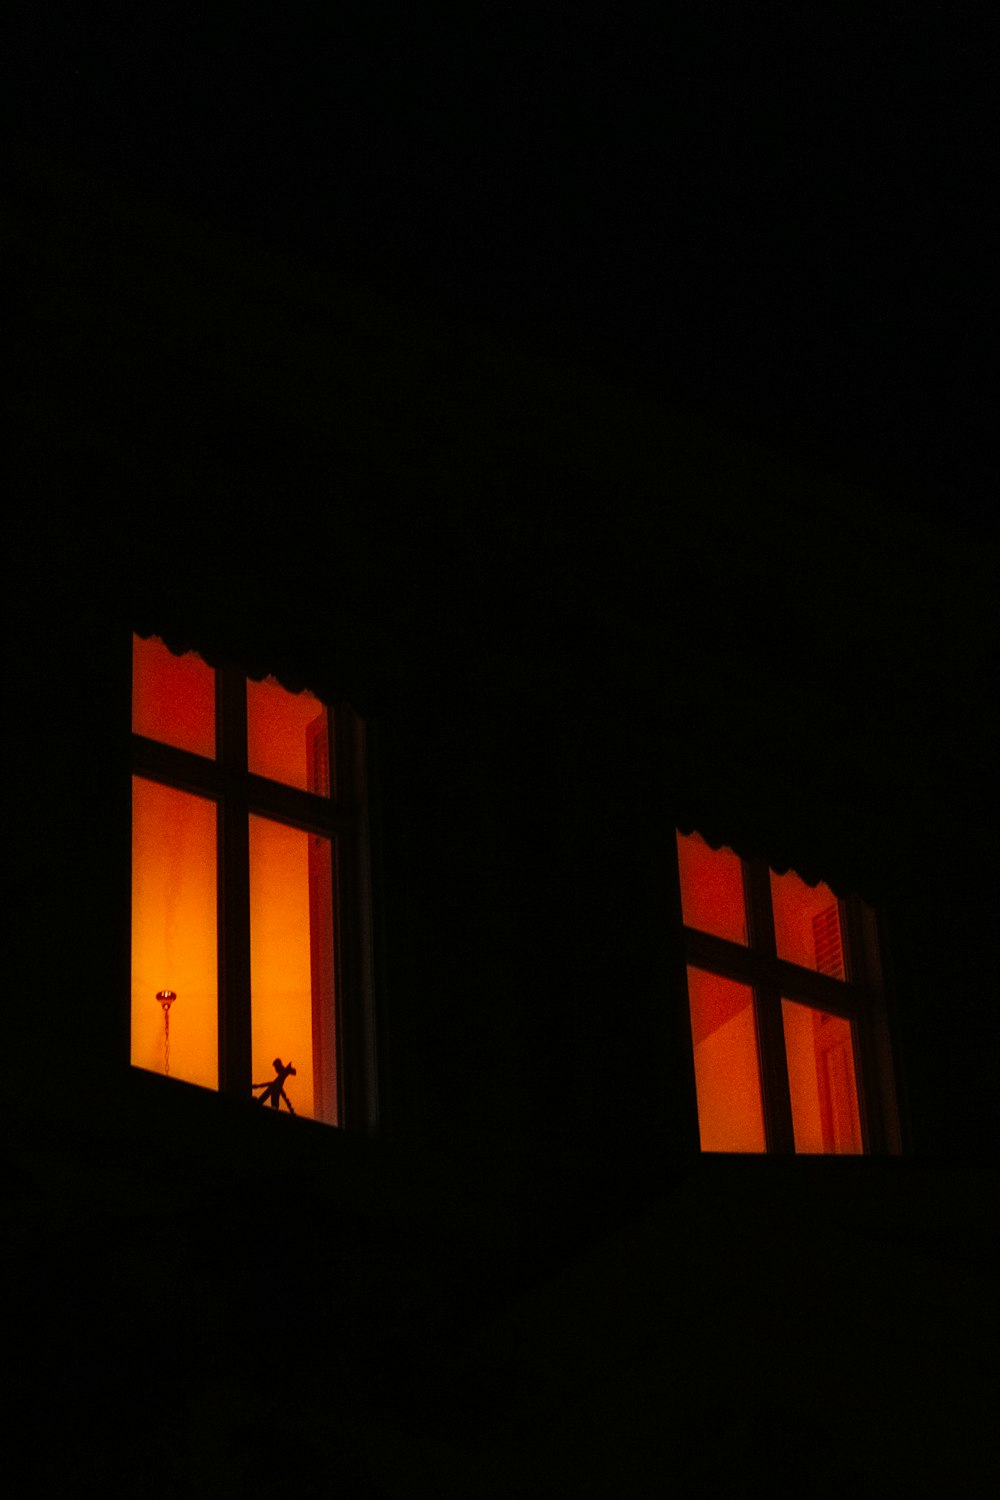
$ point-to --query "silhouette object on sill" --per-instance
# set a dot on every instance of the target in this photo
(275, 1090)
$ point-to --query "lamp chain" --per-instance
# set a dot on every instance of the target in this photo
(166, 998)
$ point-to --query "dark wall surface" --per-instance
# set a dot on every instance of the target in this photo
(573, 623)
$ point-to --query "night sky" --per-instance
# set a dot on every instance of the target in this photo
(772, 216)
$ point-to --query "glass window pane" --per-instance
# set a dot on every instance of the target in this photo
(730, 1114)
(173, 697)
(292, 967)
(711, 888)
(807, 924)
(174, 933)
(821, 1081)
(288, 737)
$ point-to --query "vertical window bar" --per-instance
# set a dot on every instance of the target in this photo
(234, 890)
(856, 970)
(891, 1088)
(124, 1031)
(682, 1010)
(355, 1042)
(767, 1005)
(341, 768)
(870, 1052)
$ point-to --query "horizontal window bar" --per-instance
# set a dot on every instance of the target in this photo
(180, 768)
(733, 961)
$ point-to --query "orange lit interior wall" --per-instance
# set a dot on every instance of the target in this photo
(807, 927)
(291, 963)
(287, 737)
(711, 888)
(727, 1075)
(821, 1081)
(173, 697)
(174, 931)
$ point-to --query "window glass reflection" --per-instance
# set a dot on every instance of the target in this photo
(288, 737)
(292, 964)
(727, 1076)
(821, 1081)
(173, 697)
(174, 933)
(807, 928)
(711, 888)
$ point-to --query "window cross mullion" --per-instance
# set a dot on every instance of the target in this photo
(735, 961)
(232, 808)
(767, 1008)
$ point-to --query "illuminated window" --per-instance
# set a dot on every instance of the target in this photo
(249, 969)
(787, 1021)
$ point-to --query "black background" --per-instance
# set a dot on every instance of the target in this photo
(776, 223)
(773, 218)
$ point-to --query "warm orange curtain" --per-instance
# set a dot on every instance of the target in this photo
(291, 963)
(174, 931)
(727, 1076)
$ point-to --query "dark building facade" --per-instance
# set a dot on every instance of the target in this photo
(571, 624)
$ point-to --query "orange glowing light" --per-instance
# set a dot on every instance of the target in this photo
(291, 963)
(711, 888)
(173, 697)
(807, 927)
(176, 894)
(821, 1081)
(727, 1076)
(174, 931)
(287, 737)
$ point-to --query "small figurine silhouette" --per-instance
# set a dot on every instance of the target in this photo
(275, 1090)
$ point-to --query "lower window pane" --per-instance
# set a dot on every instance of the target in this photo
(291, 967)
(821, 1081)
(727, 1076)
(174, 933)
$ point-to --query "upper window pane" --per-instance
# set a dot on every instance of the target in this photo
(711, 888)
(173, 697)
(288, 737)
(807, 924)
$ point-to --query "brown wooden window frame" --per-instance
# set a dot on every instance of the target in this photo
(341, 817)
(859, 998)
